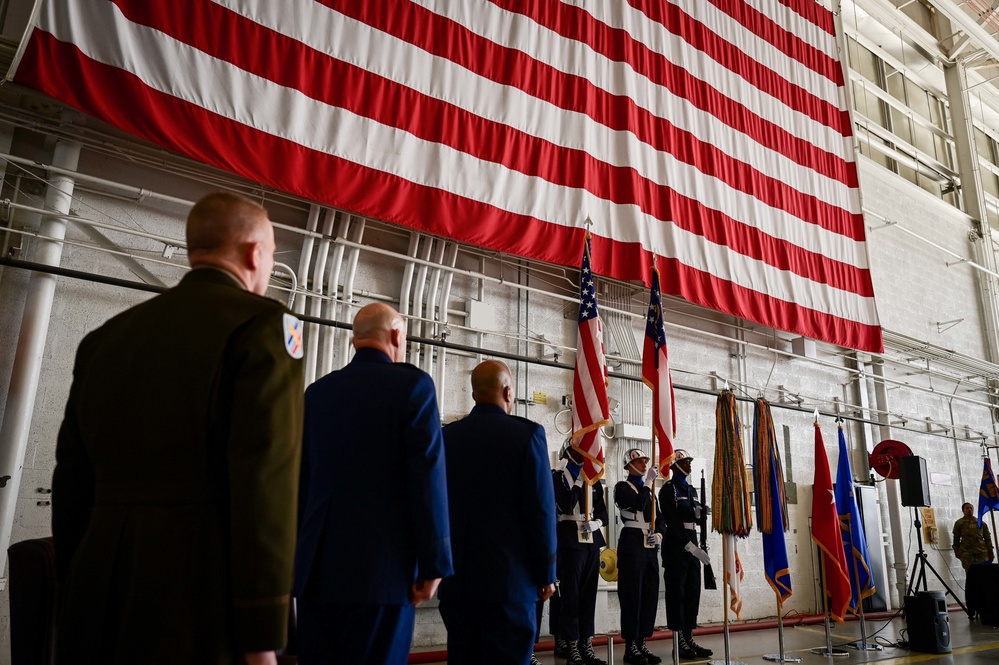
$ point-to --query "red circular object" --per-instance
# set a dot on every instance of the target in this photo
(884, 457)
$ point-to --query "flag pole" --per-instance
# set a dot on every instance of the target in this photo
(828, 651)
(725, 594)
(780, 657)
(992, 516)
(862, 645)
(652, 489)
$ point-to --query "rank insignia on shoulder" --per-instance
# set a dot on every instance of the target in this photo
(293, 336)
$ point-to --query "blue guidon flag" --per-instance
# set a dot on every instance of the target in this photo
(293, 336)
(988, 494)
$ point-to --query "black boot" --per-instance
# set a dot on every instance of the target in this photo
(697, 648)
(534, 660)
(650, 657)
(633, 656)
(572, 656)
(561, 648)
(685, 650)
(586, 652)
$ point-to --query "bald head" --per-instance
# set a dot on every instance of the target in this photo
(233, 233)
(492, 383)
(378, 326)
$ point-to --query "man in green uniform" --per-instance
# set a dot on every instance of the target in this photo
(971, 542)
(174, 494)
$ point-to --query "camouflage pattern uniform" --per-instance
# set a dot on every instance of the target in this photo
(972, 545)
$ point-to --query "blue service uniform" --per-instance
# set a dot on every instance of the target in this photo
(503, 543)
(373, 511)
(578, 563)
(637, 565)
(681, 569)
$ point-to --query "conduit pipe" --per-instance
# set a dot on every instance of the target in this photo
(31, 341)
(430, 311)
(305, 257)
(419, 284)
(356, 233)
(407, 274)
(332, 294)
(140, 193)
(315, 307)
(450, 258)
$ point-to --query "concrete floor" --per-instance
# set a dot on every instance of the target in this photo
(972, 643)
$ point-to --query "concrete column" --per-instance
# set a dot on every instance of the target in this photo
(31, 341)
(956, 76)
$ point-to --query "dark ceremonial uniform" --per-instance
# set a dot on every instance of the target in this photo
(503, 543)
(173, 498)
(681, 569)
(578, 562)
(637, 565)
(372, 510)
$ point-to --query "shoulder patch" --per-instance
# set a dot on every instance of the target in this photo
(292, 332)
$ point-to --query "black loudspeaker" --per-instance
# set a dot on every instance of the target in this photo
(927, 622)
(913, 482)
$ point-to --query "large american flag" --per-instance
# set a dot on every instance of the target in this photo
(712, 134)
(589, 380)
(656, 375)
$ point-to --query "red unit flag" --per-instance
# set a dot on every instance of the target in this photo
(826, 534)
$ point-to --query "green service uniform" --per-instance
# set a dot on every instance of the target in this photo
(972, 544)
(175, 488)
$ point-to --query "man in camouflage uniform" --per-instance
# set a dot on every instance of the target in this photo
(971, 543)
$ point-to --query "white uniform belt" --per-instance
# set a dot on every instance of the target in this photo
(689, 525)
(632, 521)
(571, 518)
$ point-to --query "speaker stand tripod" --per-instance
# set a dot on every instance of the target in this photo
(920, 564)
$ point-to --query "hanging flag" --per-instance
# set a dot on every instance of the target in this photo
(589, 382)
(852, 531)
(734, 573)
(729, 485)
(988, 496)
(714, 135)
(730, 515)
(656, 375)
(826, 534)
(771, 501)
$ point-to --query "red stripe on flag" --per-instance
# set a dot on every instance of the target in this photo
(350, 87)
(617, 45)
(813, 12)
(786, 42)
(216, 140)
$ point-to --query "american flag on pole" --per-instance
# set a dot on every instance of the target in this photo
(589, 381)
(713, 134)
(656, 375)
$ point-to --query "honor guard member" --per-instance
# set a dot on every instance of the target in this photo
(579, 544)
(503, 542)
(173, 509)
(637, 558)
(373, 539)
(972, 543)
(679, 511)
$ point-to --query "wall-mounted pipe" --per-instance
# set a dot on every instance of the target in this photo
(332, 291)
(305, 255)
(315, 306)
(350, 272)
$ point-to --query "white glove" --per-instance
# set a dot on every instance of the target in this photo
(655, 539)
(579, 481)
(591, 526)
(697, 512)
(698, 553)
(651, 474)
